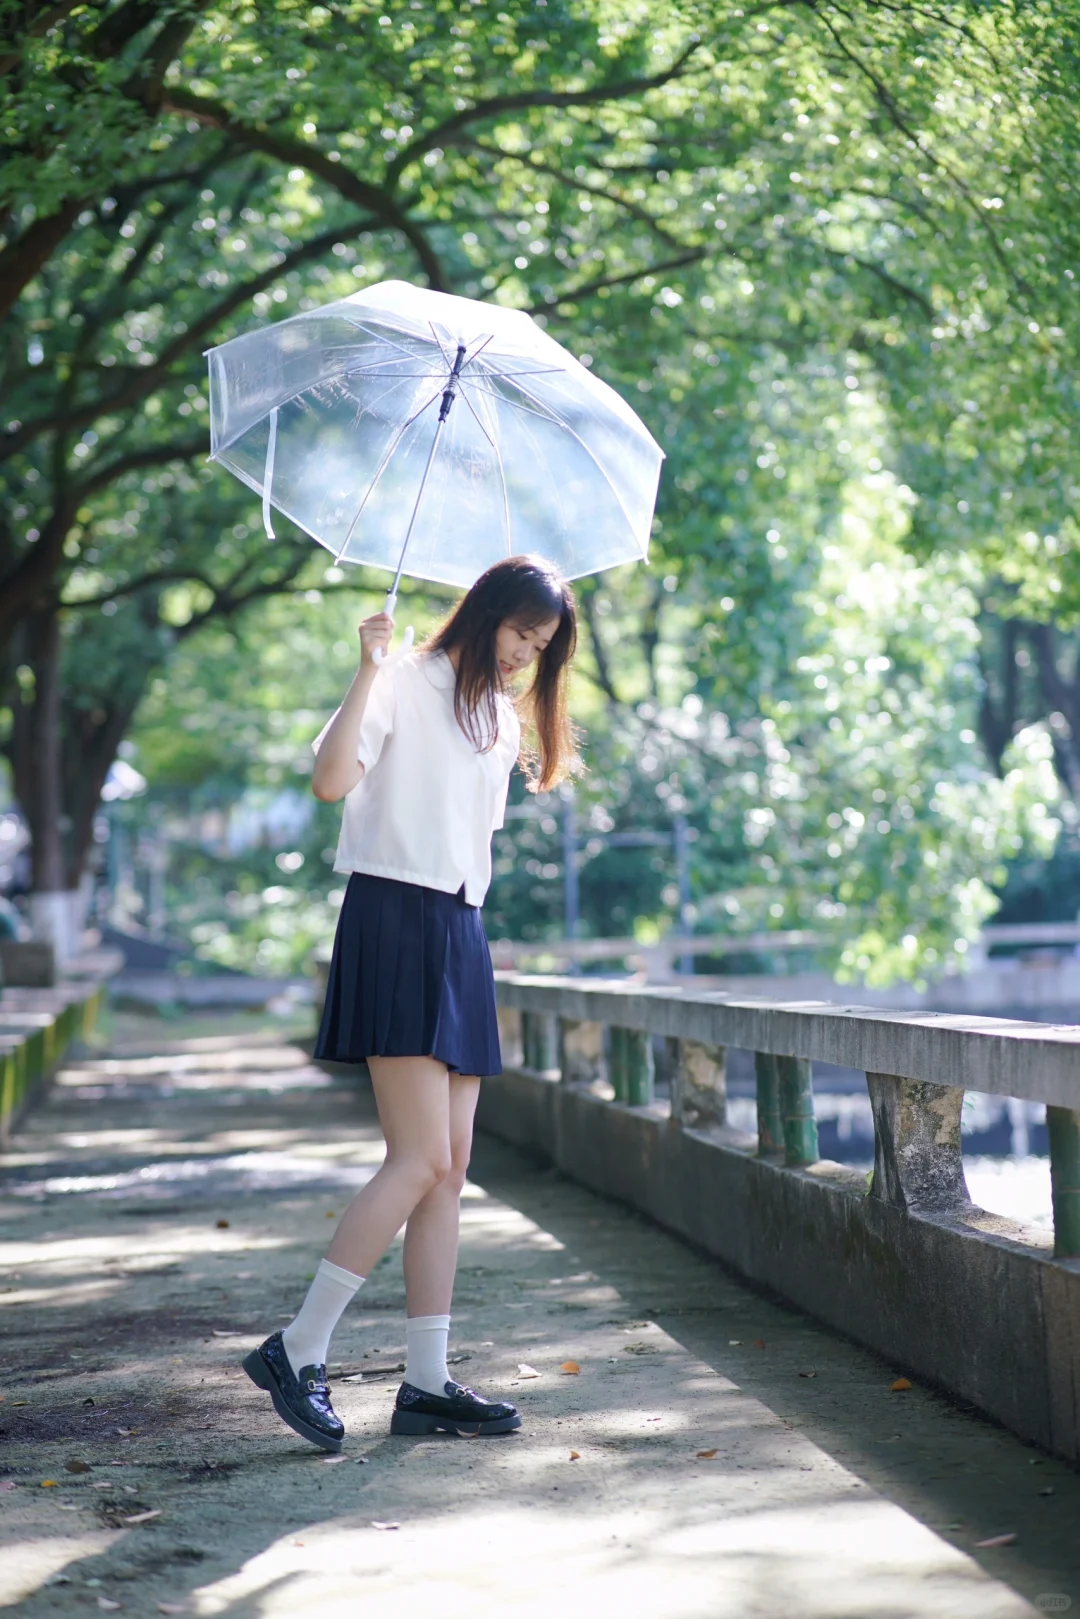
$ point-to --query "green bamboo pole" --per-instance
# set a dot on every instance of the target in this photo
(539, 1041)
(770, 1121)
(9, 1064)
(617, 1063)
(526, 1040)
(640, 1068)
(1063, 1124)
(797, 1110)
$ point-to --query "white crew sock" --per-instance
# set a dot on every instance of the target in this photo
(425, 1357)
(307, 1338)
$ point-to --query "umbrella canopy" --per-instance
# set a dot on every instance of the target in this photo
(341, 418)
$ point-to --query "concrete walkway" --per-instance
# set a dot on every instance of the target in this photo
(716, 1456)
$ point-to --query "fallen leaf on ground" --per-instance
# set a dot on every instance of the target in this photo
(221, 1225)
(807, 1374)
(107, 1605)
(89, 1400)
(6, 1484)
(900, 1386)
(575, 1455)
(48, 1484)
(20, 1402)
(328, 1461)
(570, 1367)
(143, 1517)
(997, 1540)
(376, 1523)
(75, 1466)
(525, 1370)
(705, 1455)
(127, 1433)
(331, 1214)
(759, 1343)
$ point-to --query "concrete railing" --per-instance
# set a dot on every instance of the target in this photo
(970, 1300)
(37, 1028)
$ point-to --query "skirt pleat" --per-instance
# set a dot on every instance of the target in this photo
(410, 976)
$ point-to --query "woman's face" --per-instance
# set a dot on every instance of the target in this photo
(518, 645)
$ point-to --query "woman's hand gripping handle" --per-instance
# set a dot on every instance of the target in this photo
(379, 644)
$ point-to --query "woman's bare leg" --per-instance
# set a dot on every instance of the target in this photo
(413, 1098)
(431, 1235)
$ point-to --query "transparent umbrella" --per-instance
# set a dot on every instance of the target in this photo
(433, 435)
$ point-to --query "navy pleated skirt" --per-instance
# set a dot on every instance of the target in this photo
(410, 977)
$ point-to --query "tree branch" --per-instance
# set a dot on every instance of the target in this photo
(446, 133)
(36, 21)
(153, 455)
(691, 256)
(132, 587)
(137, 384)
(21, 260)
(893, 110)
(537, 166)
(296, 153)
(600, 658)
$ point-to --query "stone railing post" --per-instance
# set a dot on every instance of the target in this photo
(918, 1158)
(631, 1067)
(581, 1052)
(539, 1042)
(513, 1054)
(1063, 1125)
(797, 1111)
(770, 1122)
(698, 1079)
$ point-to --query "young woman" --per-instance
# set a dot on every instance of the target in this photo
(421, 751)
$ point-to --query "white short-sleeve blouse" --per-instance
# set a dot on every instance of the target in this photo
(428, 801)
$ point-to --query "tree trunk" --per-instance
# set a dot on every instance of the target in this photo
(38, 761)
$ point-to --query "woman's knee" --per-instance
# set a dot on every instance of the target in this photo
(458, 1169)
(428, 1168)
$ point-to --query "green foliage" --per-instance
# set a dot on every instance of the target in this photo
(831, 254)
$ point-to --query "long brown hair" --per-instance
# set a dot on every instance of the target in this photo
(527, 591)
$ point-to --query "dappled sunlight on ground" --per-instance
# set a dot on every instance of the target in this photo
(837, 1559)
(714, 1454)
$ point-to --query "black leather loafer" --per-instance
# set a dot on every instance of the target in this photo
(458, 1410)
(303, 1402)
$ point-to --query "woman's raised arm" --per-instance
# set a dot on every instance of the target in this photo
(337, 769)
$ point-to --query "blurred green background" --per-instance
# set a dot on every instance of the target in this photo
(829, 254)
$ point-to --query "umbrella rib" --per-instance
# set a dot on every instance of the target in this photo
(298, 393)
(493, 393)
(381, 337)
(506, 503)
(477, 352)
(532, 371)
(448, 362)
(498, 461)
(381, 468)
(565, 425)
(476, 419)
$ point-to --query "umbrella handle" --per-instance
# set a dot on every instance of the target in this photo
(378, 656)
